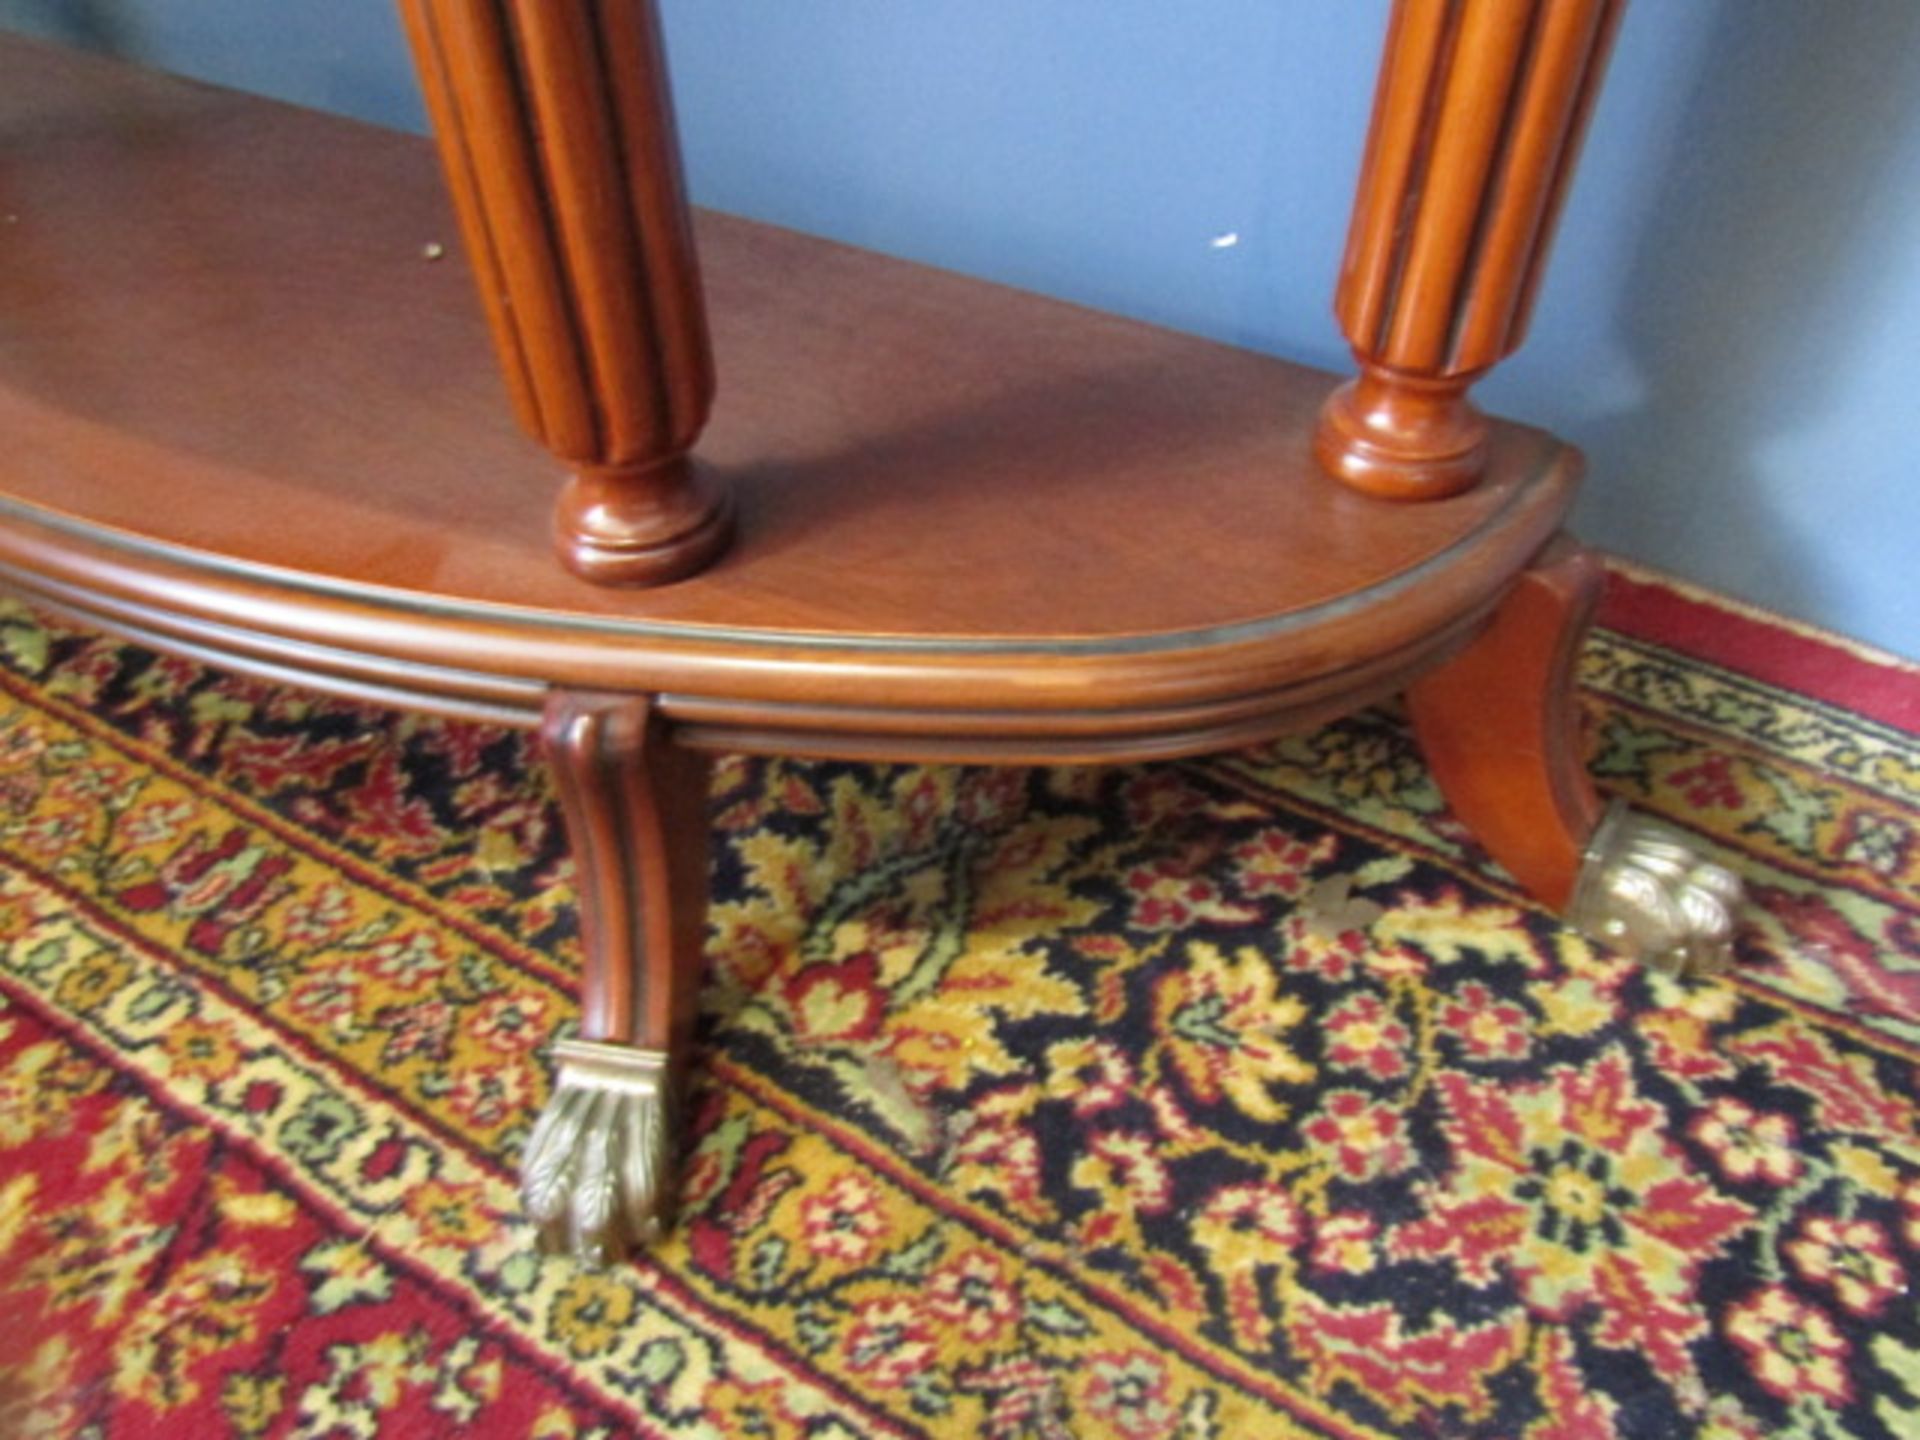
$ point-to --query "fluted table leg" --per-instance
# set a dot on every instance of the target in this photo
(555, 126)
(1476, 127)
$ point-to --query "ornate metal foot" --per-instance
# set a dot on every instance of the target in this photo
(597, 1175)
(1644, 890)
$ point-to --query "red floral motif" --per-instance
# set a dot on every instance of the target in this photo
(1168, 895)
(1710, 781)
(384, 806)
(408, 962)
(218, 886)
(1023, 1397)
(1335, 958)
(489, 1095)
(1850, 1258)
(1367, 1139)
(1487, 1028)
(1128, 1393)
(996, 1154)
(318, 916)
(889, 1342)
(325, 1000)
(1847, 1094)
(1275, 863)
(1091, 1074)
(1571, 1185)
(1343, 1243)
(1362, 1034)
(843, 1222)
(1792, 1347)
(1369, 1348)
(422, 1029)
(1127, 1162)
(836, 1001)
(970, 1293)
(1747, 1145)
(511, 1024)
(268, 763)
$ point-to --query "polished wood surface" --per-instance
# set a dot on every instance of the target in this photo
(1500, 730)
(965, 512)
(556, 132)
(1476, 126)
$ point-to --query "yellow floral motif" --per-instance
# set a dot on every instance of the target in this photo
(201, 1050)
(590, 1311)
(209, 1305)
(252, 1401)
(450, 1214)
(1223, 1019)
(38, 1090)
(93, 980)
(263, 1209)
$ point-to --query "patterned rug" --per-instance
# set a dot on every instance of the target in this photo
(1236, 1097)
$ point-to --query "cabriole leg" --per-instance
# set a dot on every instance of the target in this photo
(1499, 728)
(598, 1176)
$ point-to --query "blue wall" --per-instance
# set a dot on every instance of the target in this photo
(1731, 327)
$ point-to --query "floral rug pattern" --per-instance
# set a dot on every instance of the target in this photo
(1238, 1096)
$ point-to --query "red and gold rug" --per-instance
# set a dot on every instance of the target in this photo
(1238, 1097)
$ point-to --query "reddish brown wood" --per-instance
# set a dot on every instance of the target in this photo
(556, 129)
(636, 814)
(1499, 726)
(1476, 126)
(957, 537)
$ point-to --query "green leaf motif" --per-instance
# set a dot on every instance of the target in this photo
(769, 1260)
(26, 647)
(659, 1361)
(155, 1000)
(1058, 1319)
(814, 1329)
(48, 955)
(348, 1274)
(916, 1259)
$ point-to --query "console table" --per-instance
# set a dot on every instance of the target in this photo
(250, 416)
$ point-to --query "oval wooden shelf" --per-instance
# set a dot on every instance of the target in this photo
(247, 415)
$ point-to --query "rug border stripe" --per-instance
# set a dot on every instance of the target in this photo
(1782, 652)
(393, 887)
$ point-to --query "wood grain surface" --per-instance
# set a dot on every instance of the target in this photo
(246, 412)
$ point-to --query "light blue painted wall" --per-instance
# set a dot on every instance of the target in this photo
(1731, 328)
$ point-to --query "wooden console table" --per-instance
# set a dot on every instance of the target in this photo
(249, 416)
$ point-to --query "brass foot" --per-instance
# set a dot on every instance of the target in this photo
(1645, 891)
(596, 1177)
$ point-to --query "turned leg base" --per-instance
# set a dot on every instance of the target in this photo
(1402, 437)
(598, 1176)
(643, 527)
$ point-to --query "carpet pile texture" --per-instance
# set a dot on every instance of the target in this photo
(1238, 1097)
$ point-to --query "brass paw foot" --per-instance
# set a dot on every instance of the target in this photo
(1644, 890)
(597, 1174)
